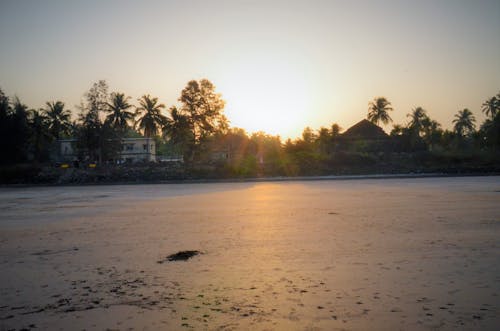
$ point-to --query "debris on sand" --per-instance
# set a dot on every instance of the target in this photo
(181, 256)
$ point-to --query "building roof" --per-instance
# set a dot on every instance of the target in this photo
(365, 129)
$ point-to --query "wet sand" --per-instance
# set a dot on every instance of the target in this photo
(391, 254)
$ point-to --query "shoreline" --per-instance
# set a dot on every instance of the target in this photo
(263, 179)
(359, 255)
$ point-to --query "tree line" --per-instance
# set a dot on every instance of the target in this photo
(421, 132)
(104, 119)
(197, 127)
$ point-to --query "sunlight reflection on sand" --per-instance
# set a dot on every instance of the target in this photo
(361, 254)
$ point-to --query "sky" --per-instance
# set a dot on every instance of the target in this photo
(280, 65)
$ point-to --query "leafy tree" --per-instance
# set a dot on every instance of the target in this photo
(202, 111)
(111, 142)
(177, 130)
(238, 141)
(335, 130)
(88, 134)
(203, 108)
(58, 119)
(150, 120)
(378, 111)
(397, 130)
(19, 131)
(40, 136)
(464, 123)
(119, 116)
(4, 107)
(402, 138)
(308, 136)
(448, 139)
(334, 136)
(324, 140)
(97, 99)
(5, 128)
(489, 132)
(91, 138)
(267, 150)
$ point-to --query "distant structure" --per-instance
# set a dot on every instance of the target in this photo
(136, 149)
(133, 150)
(365, 130)
(364, 136)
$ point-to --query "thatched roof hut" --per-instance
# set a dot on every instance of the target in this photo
(365, 130)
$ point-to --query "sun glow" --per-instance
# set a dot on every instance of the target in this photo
(269, 95)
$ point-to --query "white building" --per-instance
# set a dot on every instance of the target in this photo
(138, 149)
(133, 150)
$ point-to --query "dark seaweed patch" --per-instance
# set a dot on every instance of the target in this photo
(181, 256)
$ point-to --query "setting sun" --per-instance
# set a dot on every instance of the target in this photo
(250, 164)
(267, 94)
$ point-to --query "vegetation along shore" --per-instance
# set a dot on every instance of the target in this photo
(194, 141)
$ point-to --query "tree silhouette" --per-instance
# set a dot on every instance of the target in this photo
(152, 120)
(308, 135)
(378, 111)
(91, 137)
(40, 135)
(203, 108)
(5, 129)
(418, 120)
(58, 119)
(335, 130)
(323, 140)
(464, 123)
(20, 130)
(97, 99)
(178, 130)
(118, 115)
(491, 106)
(490, 132)
(432, 132)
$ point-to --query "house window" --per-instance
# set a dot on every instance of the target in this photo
(145, 147)
(128, 147)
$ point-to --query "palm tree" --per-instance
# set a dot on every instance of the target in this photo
(416, 127)
(178, 127)
(178, 131)
(378, 111)
(491, 106)
(152, 119)
(418, 120)
(118, 115)
(464, 123)
(39, 133)
(58, 119)
(432, 132)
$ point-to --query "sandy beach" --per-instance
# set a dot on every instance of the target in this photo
(364, 254)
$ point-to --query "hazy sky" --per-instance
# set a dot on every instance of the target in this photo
(280, 65)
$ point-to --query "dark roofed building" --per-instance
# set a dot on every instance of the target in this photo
(364, 136)
(366, 130)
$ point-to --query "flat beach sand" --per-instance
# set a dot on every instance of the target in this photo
(388, 254)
